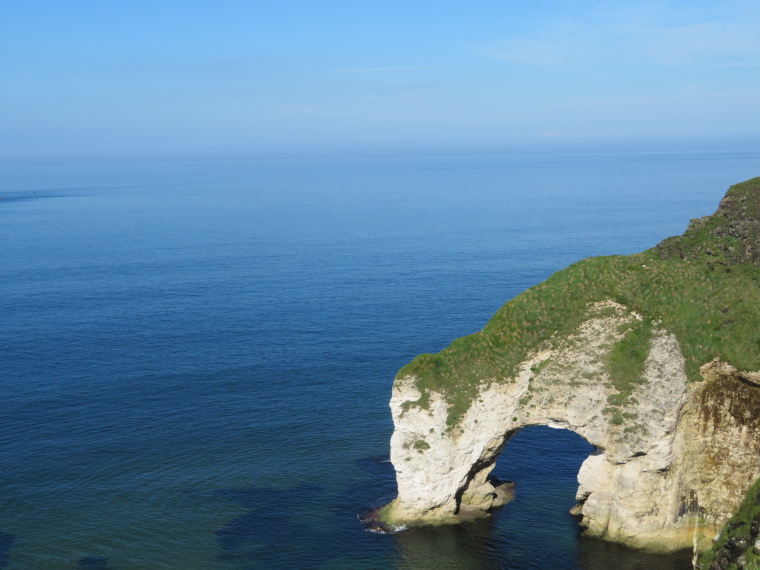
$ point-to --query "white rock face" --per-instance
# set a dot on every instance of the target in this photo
(674, 455)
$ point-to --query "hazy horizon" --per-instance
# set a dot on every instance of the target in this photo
(86, 79)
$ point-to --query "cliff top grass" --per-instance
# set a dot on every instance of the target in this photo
(703, 286)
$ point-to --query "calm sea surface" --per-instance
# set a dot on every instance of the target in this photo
(196, 357)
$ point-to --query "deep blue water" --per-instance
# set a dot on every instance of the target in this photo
(196, 356)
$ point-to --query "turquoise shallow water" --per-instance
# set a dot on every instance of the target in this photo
(197, 356)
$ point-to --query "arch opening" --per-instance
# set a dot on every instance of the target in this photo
(543, 463)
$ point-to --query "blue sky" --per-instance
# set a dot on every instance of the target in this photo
(84, 78)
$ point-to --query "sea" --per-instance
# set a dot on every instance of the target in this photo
(196, 356)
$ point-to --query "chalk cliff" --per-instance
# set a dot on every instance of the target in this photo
(648, 357)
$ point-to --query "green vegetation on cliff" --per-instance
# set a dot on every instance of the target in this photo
(734, 547)
(704, 287)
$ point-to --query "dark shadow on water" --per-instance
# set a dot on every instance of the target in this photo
(311, 527)
(600, 555)
(93, 563)
(481, 545)
(464, 546)
(6, 540)
(379, 489)
(372, 486)
(264, 536)
(308, 526)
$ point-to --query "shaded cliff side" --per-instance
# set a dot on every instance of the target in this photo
(738, 545)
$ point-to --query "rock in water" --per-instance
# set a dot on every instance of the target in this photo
(651, 358)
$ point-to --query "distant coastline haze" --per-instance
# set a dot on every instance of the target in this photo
(85, 79)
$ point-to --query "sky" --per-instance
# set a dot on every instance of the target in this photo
(138, 78)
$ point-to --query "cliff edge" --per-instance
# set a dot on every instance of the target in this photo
(651, 358)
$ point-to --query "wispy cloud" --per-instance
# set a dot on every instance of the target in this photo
(293, 109)
(374, 69)
(707, 42)
(646, 36)
(539, 51)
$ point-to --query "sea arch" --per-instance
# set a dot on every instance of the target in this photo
(672, 459)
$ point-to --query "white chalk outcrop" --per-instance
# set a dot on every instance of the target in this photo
(674, 455)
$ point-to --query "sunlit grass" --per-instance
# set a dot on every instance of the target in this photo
(711, 305)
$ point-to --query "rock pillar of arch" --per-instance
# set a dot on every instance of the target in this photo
(679, 457)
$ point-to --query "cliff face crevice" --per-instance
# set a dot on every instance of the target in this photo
(647, 358)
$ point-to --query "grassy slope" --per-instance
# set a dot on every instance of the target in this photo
(703, 286)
